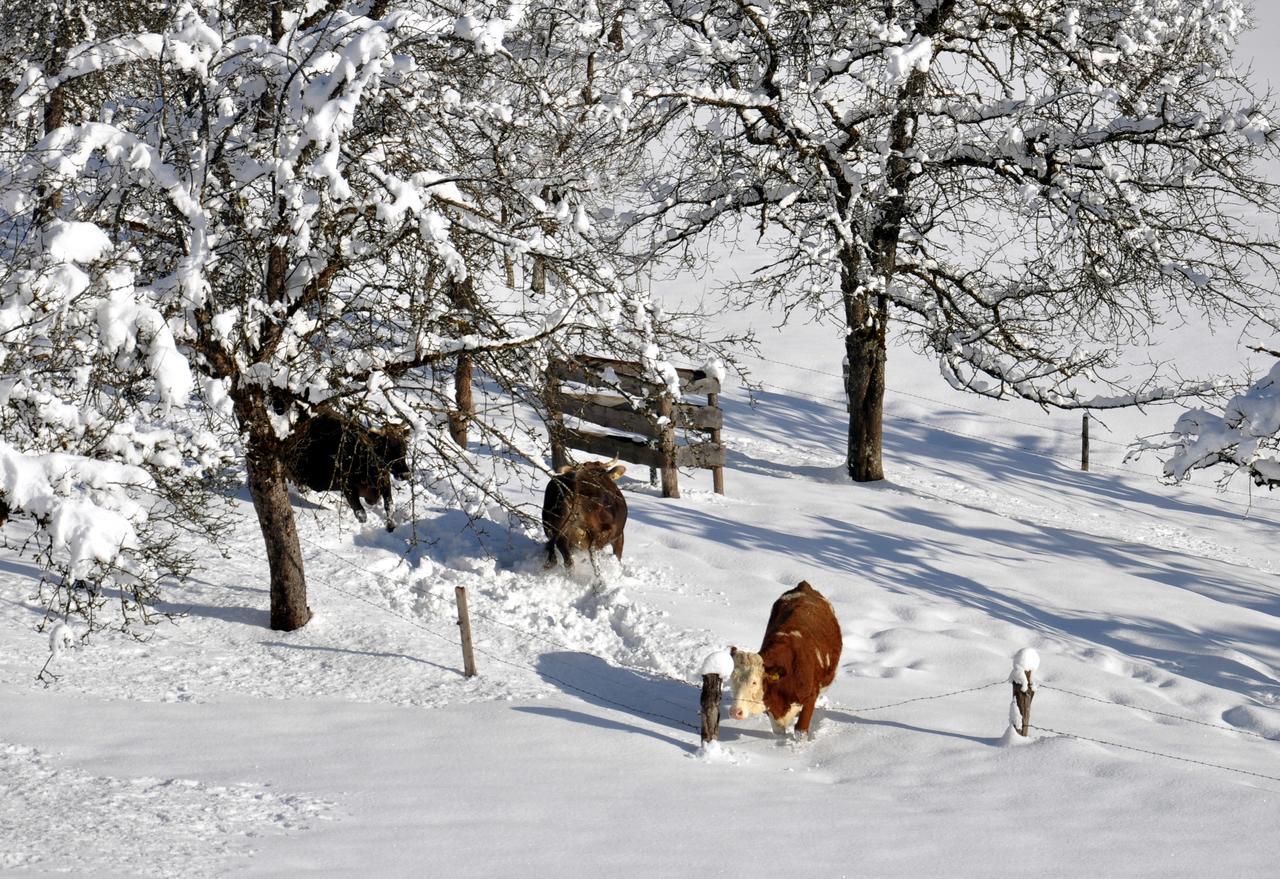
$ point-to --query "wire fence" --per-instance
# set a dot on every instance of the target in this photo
(689, 709)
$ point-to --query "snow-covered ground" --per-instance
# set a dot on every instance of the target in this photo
(355, 746)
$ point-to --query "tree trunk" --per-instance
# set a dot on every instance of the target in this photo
(270, 494)
(864, 346)
(866, 303)
(464, 403)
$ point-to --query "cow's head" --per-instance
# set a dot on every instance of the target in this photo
(612, 469)
(748, 683)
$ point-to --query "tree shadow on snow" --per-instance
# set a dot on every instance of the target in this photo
(1036, 461)
(904, 563)
(658, 701)
(244, 616)
(847, 717)
(378, 654)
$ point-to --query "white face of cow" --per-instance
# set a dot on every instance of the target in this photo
(748, 685)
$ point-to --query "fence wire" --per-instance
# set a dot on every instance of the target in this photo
(1151, 753)
(1138, 708)
(686, 724)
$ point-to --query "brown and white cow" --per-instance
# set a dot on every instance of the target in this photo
(583, 509)
(796, 662)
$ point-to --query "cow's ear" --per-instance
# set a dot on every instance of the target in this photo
(617, 472)
(733, 651)
(567, 468)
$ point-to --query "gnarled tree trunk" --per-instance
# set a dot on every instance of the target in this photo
(864, 345)
(270, 494)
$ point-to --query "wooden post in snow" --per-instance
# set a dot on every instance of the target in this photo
(464, 625)
(1025, 663)
(710, 707)
(1022, 697)
(1084, 442)
(717, 473)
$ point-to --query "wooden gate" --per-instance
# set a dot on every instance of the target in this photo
(615, 395)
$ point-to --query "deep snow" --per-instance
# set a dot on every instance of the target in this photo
(356, 747)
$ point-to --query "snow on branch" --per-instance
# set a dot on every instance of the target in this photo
(87, 507)
(1243, 435)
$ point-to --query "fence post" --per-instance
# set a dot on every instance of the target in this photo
(1022, 697)
(717, 473)
(710, 707)
(667, 446)
(1084, 441)
(464, 624)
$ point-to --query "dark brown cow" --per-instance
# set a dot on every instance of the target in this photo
(328, 452)
(583, 509)
(797, 661)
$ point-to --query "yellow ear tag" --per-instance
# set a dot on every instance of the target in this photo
(773, 676)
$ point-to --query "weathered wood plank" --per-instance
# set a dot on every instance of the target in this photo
(631, 377)
(697, 417)
(628, 449)
(701, 455)
(618, 417)
(690, 415)
(571, 372)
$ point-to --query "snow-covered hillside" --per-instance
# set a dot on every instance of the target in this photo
(356, 747)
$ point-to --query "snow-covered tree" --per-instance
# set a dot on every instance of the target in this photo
(261, 208)
(1025, 187)
(1244, 435)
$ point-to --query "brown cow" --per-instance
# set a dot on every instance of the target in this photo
(329, 452)
(583, 509)
(797, 661)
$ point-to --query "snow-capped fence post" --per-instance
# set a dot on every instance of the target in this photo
(1084, 441)
(715, 668)
(464, 625)
(1025, 662)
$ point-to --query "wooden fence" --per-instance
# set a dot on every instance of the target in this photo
(616, 395)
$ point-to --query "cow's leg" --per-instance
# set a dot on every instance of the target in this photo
(353, 498)
(562, 543)
(386, 503)
(617, 548)
(806, 715)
